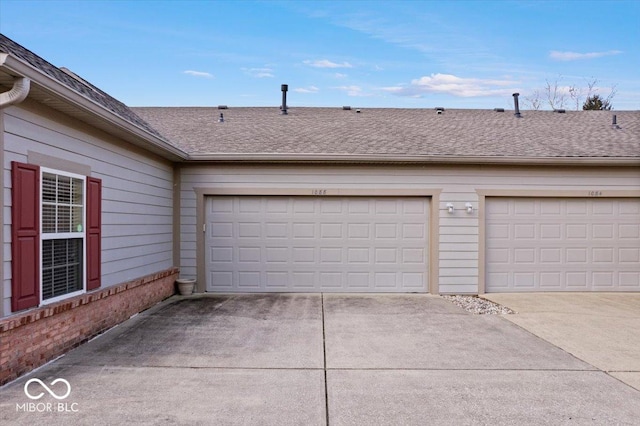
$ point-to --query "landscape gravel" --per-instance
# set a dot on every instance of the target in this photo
(478, 305)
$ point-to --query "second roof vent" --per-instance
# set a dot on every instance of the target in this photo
(516, 105)
(283, 108)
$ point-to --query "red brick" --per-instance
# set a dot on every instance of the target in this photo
(37, 336)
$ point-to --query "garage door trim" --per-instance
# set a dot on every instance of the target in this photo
(432, 194)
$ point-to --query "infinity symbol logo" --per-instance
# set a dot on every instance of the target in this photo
(52, 393)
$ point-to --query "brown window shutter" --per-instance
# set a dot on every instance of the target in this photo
(94, 232)
(25, 236)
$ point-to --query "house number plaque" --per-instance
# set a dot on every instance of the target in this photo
(318, 192)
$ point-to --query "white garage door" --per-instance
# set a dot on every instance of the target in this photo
(562, 244)
(311, 244)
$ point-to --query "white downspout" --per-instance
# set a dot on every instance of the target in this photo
(17, 94)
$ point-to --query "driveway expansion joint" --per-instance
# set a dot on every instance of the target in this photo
(324, 354)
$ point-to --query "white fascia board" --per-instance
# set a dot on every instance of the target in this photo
(415, 159)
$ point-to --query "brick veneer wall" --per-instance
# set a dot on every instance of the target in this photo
(32, 338)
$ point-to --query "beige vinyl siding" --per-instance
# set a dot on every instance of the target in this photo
(459, 233)
(137, 190)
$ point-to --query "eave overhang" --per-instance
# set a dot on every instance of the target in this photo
(412, 159)
(56, 95)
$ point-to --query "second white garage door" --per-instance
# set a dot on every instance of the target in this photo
(555, 244)
(309, 244)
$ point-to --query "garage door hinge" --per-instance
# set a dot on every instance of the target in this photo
(204, 228)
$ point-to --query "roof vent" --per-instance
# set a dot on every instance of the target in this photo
(223, 107)
(283, 108)
(516, 106)
(439, 112)
(221, 119)
(358, 111)
(498, 109)
(559, 111)
(614, 122)
(346, 108)
(441, 109)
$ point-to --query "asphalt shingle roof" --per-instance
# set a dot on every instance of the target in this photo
(398, 132)
(372, 132)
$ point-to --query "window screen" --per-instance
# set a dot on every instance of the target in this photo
(61, 267)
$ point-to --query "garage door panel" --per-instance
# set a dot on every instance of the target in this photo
(304, 254)
(562, 245)
(386, 207)
(629, 255)
(550, 255)
(550, 231)
(629, 208)
(221, 229)
(414, 207)
(249, 280)
(359, 255)
(304, 230)
(414, 255)
(358, 230)
(222, 280)
(524, 280)
(413, 280)
(603, 280)
(551, 281)
(550, 207)
(630, 280)
(629, 231)
(221, 254)
(278, 280)
(341, 244)
(413, 231)
(248, 205)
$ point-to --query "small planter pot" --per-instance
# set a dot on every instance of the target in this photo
(186, 286)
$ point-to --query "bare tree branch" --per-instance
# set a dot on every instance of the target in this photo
(575, 93)
(555, 97)
(533, 100)
(612, 93)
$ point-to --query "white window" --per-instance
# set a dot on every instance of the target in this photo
(62, 254)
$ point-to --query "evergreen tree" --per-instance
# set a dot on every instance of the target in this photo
(595, 102)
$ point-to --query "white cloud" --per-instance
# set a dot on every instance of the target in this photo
(325, 63)
(575, 56)
(340, 75)
(308, 89)
(198, 74)
(259, 72)
(351, 90)
(452, 85)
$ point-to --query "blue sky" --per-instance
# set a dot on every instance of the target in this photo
(417, 54)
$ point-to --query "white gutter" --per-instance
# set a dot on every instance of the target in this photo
(17, 94)
(413, 159)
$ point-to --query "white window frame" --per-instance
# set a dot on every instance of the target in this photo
(63, 236)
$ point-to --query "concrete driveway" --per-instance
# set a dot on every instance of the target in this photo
(315, 360)
(602, 329)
